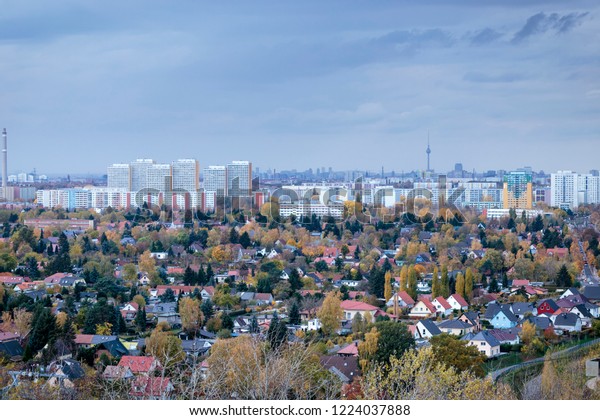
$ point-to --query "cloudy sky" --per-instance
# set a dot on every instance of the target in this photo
(299, 84)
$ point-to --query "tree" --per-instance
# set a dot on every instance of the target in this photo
(254, 328)
(358, 326)
(22, 319)
(368, 348)
(331, 313)
(563, 278)
(435, 284)
(393, 340)
(458, 354)
(469, 285)
(387, 293)
(245, 240)
(140, 320)
(191, 315)
(168, 296)
(460, 284)
(445, 283)
(412, 282)
(189, 277)
(417, 375)
(43, 329)
(294, 315)
(165, 347)
(140, 300)
(226, 322)
(494, 288)
(104, 329)
(376, 282)
(207, 309)
(404, 278)
(295, 280)
(277, 333)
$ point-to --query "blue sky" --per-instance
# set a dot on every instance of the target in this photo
(288, 84)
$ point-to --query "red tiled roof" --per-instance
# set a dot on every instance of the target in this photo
(460, 300)
(405, 297)
(83, 338)
(443, 302)
(350, 350)
(429, 305)
(354, 305)
(520, 283)
(139, 364)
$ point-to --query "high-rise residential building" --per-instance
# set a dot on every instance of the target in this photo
(119, 176)
(239, 179)
(215, 179)
(186, 175)
(588, 189)
(158, 177)
(564, 186)
(518, 191)
(139, 173)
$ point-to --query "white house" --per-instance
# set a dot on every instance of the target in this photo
(485, 343)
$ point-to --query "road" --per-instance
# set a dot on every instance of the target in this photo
(497, 373)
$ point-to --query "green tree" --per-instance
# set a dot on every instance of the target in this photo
(451, 351)
(436, 287)
(277, 333)
(394, 339)
(563, 278)
(412, 282)
(140, 320)
(445, 283)
(294, 315)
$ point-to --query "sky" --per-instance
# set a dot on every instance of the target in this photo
(495, 84)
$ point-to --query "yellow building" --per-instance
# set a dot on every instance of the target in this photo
(518, 191)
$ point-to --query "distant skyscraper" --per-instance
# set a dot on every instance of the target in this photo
(564, 186)
(119, 176)
(214, 179)
(518, 192)
(139, 173)
(186, 175)
(239, 179)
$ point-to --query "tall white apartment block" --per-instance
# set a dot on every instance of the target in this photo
(186, 175)
(564, 189)
(119, 176)
(214, 179)
(588, 189)
(139, 173)
(239, 179)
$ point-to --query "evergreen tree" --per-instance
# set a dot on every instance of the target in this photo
(43, 329)
(227, 322)
(209, 273)
(295, 281)
(140, 320)
(254, 329)
(494, 286)
(233, 236)
(376, 282)
(207, 309)
(294, 315)
(189, 277)
(277, 333)
(245, 240)
(201, 277)
(563, 278)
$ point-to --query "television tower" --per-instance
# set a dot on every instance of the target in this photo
(4, 166)
(428, 153)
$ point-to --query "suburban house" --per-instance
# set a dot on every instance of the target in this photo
(485, 343)
(568, 322)
(404, 300)
(472, 318)
(140, 365)
(456, 327)
(457, 302)
(427, 329)
(510, 336)
(423, 309)
(548, 306)
(352, 307)
(442, 306)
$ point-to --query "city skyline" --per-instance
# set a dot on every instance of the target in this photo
(313, 84)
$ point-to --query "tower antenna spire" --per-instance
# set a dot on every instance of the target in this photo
(428, 153)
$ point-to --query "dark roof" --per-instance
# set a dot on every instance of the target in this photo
(567, 319)
(472, 316)
(509, 315)
(454, 324)
(491, 311)
(72, 369)
(521, 308)
(114, 347)
(345, 367)
(592, 292)
(583, 310)
(553, 305)
(482, 336)
(430, 326)
(11, 348)
(540, 322)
